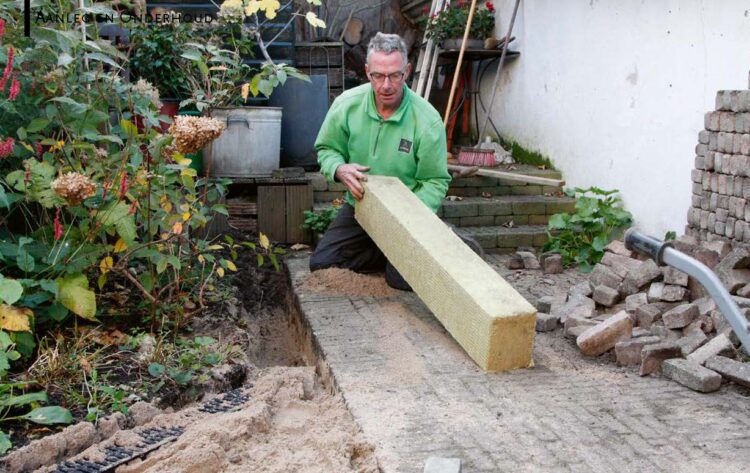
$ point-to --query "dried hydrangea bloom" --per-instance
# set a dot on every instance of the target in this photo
(74, 187)
(194, 133)
(146, 89)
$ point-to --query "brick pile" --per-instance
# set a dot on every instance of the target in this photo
(720, 207)
(657, 319)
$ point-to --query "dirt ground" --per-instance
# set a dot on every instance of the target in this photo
(294, 420)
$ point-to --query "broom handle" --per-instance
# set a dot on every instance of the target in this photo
(460, 61)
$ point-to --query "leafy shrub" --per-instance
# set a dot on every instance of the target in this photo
(319, 220)
(581, 237)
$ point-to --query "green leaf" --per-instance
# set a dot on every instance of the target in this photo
(76, 296)
(25, 261)
(204, 341)
(21, 133)
(5, 443)
(10, 290)
(261, 261)
(558, 221)
(49, 415)
(23, 399)
(181, 377)
(161, 266)
(103, 58)
(156, 370)
(25, 344)
(600, 241)
(57, 312)
(118, 215)
(75, 107)
(37, 124)
(146, 281)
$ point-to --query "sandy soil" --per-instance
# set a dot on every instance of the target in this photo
(342, 282)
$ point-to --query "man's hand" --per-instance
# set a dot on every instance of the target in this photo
(350, 175)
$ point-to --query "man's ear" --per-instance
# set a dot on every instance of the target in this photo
(367, 70)
(408, 71)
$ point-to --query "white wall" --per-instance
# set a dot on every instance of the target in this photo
(614, 91)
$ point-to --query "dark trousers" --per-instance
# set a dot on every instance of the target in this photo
(346, 245)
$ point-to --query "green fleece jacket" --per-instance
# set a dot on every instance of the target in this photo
(409, 145)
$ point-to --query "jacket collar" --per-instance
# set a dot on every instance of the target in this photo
(372, 109)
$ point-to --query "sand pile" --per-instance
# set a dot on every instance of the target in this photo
(342, 282)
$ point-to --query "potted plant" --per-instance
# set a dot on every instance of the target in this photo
(155, 56)
(447, 25)
(221, 83)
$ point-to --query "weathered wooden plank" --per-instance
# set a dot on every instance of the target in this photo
(272, 212)
(491, 321)
(509, 176)
(298, 199)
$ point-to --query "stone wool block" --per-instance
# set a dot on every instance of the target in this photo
(726, 121)
(491, 321)
(711, 121)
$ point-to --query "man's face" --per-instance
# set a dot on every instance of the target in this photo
(387, 75)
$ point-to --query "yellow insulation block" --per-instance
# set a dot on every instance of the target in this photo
(491, 321)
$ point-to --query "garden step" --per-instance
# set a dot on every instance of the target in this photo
(499, 210)
(500, 239)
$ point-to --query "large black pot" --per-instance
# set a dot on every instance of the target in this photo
(305, 106)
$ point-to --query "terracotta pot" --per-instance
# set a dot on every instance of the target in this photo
(490, 43)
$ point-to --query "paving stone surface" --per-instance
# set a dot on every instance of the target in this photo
(417, 395)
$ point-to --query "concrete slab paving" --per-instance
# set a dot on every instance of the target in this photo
(417, 395)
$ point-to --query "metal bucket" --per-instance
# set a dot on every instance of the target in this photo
(250, 145)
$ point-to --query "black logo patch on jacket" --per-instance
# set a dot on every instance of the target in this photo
(404, 146)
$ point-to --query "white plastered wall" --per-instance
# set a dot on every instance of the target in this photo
(614, 92)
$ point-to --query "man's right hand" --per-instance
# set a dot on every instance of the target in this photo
(350, 175)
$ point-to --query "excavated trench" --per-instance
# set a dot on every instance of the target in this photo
(279, 412)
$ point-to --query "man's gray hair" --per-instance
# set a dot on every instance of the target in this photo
(387, 43)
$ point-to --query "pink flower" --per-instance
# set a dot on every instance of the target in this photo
(15, 88)
(58, 226)
(426, 9)
(105, 189)
(39, 150)
(8, 68)
(123, 185)
(2, 28)
(133, 206)
(6, 148)
(490, 6)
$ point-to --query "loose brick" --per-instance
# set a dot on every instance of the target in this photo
(576, 305)
(717, 345)
(692, 375)
(618, 247)
(654, 355)
(603, 275)
(730, 369)
(646, 315)
(552, 264)
(621, 265)
(632, 302)
(639, 277)
(529, 260)
(691, 342)
(583, 288)
(544, 304)
(606, 296)
(603, 337)
(674, 276)
(680, 316)
(628, 352)
(546, 322)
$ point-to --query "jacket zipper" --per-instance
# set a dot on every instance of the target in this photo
(377, 137)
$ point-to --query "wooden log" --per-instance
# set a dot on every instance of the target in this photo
(491, 321)
(510, 176)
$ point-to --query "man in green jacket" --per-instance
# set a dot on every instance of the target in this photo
(385, 129)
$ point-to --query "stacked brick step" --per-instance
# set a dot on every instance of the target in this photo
(501, 215)
(721, 178)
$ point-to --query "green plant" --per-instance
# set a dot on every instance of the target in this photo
(10, 402)
(155, 56)
(186, 360)
(319, 220)
(581, 237)
(450, 22)
(102, 398)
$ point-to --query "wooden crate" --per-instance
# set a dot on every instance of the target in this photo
(281, 211)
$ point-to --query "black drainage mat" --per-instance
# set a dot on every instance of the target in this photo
(230, 401)
(152, 438)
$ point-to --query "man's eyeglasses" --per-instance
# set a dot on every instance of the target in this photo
(394, 77)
